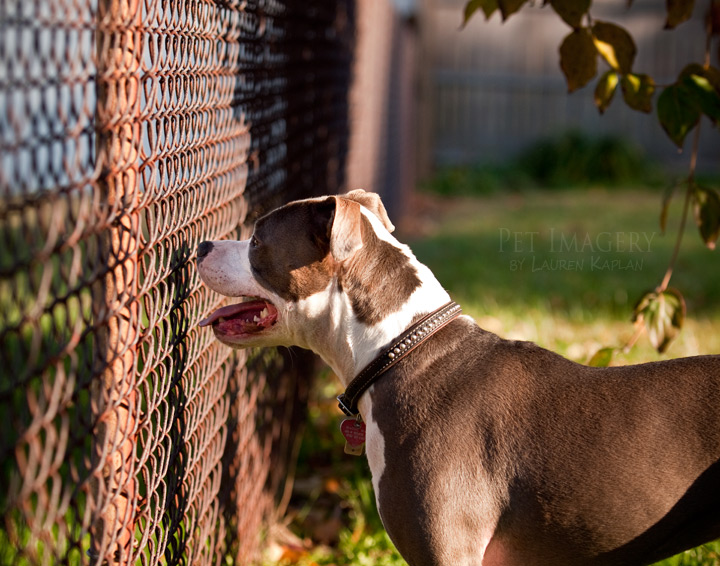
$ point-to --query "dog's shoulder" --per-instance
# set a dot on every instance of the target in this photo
(468, 340)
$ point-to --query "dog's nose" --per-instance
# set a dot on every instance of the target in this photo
(203, 249)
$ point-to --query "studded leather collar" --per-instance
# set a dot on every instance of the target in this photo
(398, 349)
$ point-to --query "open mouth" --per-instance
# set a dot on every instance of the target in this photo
(243, 319)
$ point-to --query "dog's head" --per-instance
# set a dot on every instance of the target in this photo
(304, 260)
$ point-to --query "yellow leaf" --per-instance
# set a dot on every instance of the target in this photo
(602, 358)
(707, 215)
(638, 91)
(605, 90)
(615, 45)
(662, 314)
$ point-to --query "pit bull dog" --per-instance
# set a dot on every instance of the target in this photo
(483, 451)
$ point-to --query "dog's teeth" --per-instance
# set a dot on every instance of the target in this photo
(256, 318)
(263, 313)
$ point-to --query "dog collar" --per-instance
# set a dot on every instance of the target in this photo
(398, 349)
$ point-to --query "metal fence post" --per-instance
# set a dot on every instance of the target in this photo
(115, 399)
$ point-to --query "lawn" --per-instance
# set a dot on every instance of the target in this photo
(563, 269)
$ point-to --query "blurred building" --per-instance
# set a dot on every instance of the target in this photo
(493, 88)
(383, 102)
(428, 92)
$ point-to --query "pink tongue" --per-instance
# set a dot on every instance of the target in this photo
(237, 309)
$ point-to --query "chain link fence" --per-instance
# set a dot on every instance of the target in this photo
(131, 130)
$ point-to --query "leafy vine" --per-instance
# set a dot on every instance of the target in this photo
(679, 108)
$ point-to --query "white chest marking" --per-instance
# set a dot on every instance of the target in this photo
(374, 445)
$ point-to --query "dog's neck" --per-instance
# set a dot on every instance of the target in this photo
(348, 345)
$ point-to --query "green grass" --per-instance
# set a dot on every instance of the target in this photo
(572, 308)
(566, 269)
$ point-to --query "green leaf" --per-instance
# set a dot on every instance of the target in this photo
(638, 91)
(605, 90)
(509, 7)
(664, 209)
(662, 314)
(487, 6)
(578, 59)
(615, 45)
(571, 11)
(678, 11)
(602, 358)
(706, 208)
(704, 95)
(710, 73)
(677, 112)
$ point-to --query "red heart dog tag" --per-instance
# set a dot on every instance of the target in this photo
(354, 432)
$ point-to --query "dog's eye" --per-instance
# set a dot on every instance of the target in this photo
(254, 242)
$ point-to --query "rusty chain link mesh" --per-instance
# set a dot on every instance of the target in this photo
(131, 130)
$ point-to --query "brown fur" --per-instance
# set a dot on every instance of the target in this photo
(489, 450)
(578, 465)
(379, 279)
(331, 238)
(299, 270)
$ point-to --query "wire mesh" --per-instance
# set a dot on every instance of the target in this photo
(131, 130)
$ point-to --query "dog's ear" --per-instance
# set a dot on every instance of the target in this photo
(338, 226)
(372, 202)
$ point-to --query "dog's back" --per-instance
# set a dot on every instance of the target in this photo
(574, 465)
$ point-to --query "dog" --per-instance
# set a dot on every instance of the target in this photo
(483, 451)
